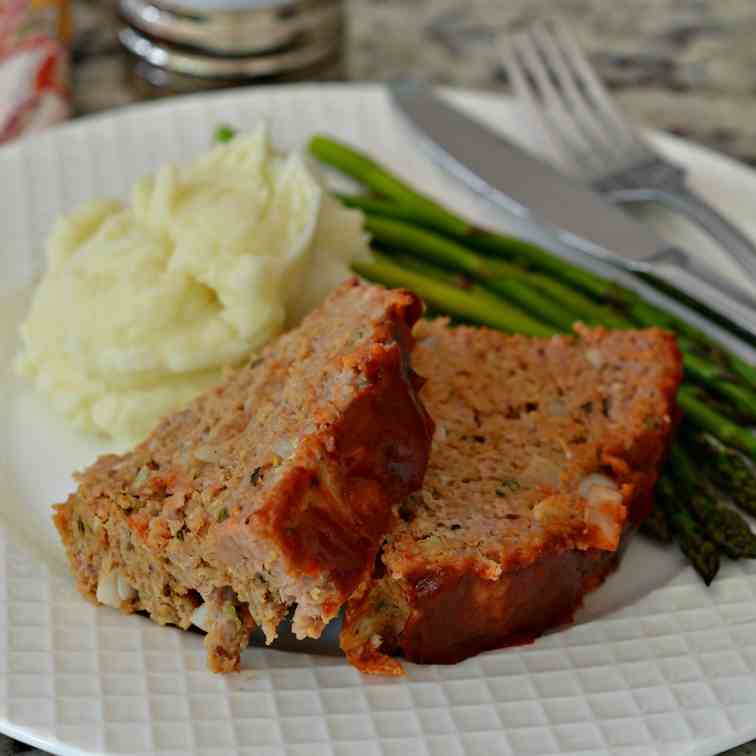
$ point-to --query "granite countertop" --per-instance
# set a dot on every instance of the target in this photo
(687, 66)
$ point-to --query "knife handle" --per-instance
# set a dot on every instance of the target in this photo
(685, 272)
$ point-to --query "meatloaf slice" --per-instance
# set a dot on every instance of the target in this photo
(545, 453)
(274, 489)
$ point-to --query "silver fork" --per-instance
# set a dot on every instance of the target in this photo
(549, 71)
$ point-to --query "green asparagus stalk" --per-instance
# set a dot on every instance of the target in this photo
(500, 245)
(532, 290)
(499, 277)
(224, 133)
(625, 304)
(708, 419)
(476, 305)
(726, 468)
(383, 208)
(740, 398)
(409, 205)
(724, 526)
(693, 542)
(582, 307)
(742, 368)
(732, 364)
(710, 314)
(382, 182)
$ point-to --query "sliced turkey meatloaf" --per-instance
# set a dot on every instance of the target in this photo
(545, 454)
(274, 489)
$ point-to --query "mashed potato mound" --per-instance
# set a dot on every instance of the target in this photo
(142, 304)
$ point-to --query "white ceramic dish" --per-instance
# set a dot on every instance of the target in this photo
(655, 664)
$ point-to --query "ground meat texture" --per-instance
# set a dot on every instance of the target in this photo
(544, 459)
(271, 491)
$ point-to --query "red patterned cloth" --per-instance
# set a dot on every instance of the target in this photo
(34, 89)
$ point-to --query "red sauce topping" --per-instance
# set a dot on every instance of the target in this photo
(381, 446)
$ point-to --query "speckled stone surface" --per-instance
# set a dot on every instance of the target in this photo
(687, 66)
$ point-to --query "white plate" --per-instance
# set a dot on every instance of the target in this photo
(655, 664)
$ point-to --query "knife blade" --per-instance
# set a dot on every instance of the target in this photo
(524, 185)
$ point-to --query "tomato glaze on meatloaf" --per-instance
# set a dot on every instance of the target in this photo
(545, 456)
(272, 490)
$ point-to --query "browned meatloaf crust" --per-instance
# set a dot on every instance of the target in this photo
(274, 489)
(545, 453)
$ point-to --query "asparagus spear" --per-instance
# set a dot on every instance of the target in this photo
(724, 526)
(410, 205)
(712, 315)
(475, 304)
(583, 308)
(742, 368)
(500, 277)
(407, 204)
(625, 303)
(224, 133)
(737, 367)
(699, 550)
(741, 398)
(500, 245)
(382, 182)
(550, 297)
(727, 468)
(708, 419)
(513, 281)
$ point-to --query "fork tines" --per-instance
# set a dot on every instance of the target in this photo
(548, 71)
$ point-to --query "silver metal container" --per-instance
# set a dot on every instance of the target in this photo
(234, 28)
(209, 43)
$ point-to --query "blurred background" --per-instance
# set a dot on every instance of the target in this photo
(687, 66)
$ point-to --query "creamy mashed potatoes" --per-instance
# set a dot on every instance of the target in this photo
(143, 303)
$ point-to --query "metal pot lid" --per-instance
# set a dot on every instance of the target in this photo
(212, 67)
(149, 81)
(204, 6)
(235, 32)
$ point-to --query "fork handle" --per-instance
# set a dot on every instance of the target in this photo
(701, 212)
(685, 272)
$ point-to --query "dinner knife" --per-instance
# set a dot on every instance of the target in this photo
(526, 186)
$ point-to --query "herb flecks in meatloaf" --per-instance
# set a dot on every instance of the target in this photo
(273, 490)
(545, 453)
